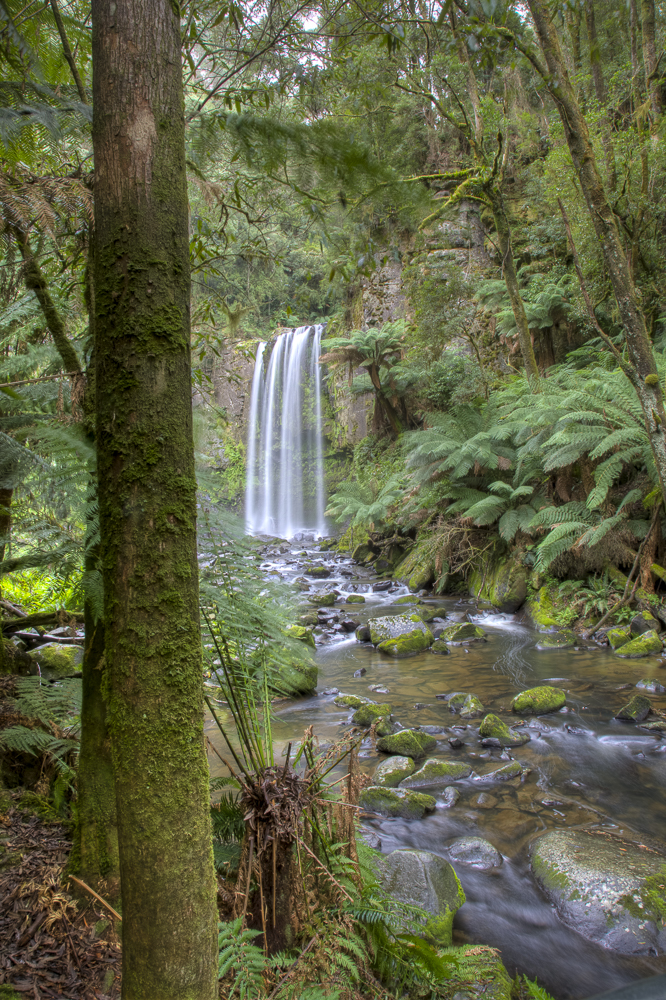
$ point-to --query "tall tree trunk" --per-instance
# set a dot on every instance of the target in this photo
(512, 287)
(646, 379)
(635, 69)
(600, 92)
(650, 56)
(147, 495)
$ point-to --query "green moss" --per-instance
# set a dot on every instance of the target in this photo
(618, 637)
(323, 600)
(471, 708)
(651, 901)
(394, 626)
(476, 971)
(492, 728)
(538, 700)
(351, 701)
(503, 584)
(564, 639)
(407, 743)
(505, 773)
(550, 876)
(355, 599)
(463, 632)
(367, 714)
(57, 658)
(407, 644)
(637, 709)
(396, 802)
(542, 608)
(301, 633)
(318, 572)
(389, 773)
(642, 645)
(439, 646)
(437, 772)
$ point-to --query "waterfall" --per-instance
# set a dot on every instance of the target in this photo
(284, 492)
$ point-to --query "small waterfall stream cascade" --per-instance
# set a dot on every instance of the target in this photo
(284, 492)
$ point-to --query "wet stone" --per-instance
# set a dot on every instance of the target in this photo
(352, 701)
(642, 645)
(400, 802)
(495, 733)
(538, 700)
(360, 673)
(635, 710)
(471, 708)
(389, 773)
(557, 640)
(455, 742)
(437, 772)
(475, 852)
(365, 715)
(439, 646)
(505, 773)
(448, 798)
(484, 801)
(349, 625)
(651, 685)
(407, 743)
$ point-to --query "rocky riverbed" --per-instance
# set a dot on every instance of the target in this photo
(536, 768)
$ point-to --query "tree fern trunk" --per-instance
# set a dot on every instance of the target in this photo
(147, 496)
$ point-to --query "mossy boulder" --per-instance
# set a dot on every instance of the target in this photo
(505, 773)
(324, 599)
(408, 644)
(643, 622)
(422, 577)
(642, 645)
(58, 659)
(618, 637)
(504, 584)
(462, 632)
(301, 633)
(295, 678)
(408, 599)
(428, 614)
(407, 743)
(361, 552)
(456, 699)
(475, 852)
(354, 599)
(600, 887)
(352, 701)
(367, 714)
(564, 639)
(396, 802)
(494, 732)
(471, 708)
(363, 633)
(437, 772)
(15, 660)
(389, 773)
(427, 881)
(651, 685)
(309, 619)
(538, 700)
(318, 572)
(635, 710)
(542, 608)
(439, 646)
(394, 626)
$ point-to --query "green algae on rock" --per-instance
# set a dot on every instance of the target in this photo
(428, 614)
(427, 881)
(596, 884)
(462, 632)
(396, 802)
(301, 633)
(565, 639)
(319, 572)
(408, 599)
(351, 701)
(354, 599)
(389, 773)
(58, 658)
(643, 622)
(366, 714)
(295, 678)
(407, 644)
(618, 637)
(309, 618)
(471, 708)
(439, 646)
(394, 626)
(324, 599)
(635, 710)
(504, 585)
(538, 700)
(511, 770)
(494, 732)
(362, 633)
(437, 772)
(651, 685)
(642, 645)
(407, 743)
(541, 608)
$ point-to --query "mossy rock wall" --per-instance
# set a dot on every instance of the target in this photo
(504, 583)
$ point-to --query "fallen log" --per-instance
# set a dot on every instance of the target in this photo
(42, 619)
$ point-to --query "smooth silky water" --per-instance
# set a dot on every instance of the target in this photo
(585, 768)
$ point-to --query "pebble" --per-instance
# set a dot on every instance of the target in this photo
(455, 742)
(360, 673)
(331, 691)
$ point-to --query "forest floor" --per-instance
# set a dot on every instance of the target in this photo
(51, 945)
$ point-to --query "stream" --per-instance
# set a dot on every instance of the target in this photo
(585, 768)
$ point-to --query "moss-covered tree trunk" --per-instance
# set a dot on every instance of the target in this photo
(639, 347)
(147, 503)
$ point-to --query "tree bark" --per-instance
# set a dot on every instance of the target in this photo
(646, 380)
(600, 92)
(650, 56)
(147, 500)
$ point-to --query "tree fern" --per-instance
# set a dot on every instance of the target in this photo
(241, 961)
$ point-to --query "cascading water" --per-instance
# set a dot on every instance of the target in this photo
(284, 491)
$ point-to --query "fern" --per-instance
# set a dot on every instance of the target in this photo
(241, 961)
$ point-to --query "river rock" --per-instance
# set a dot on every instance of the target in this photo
(494, 732)
(324, 599)
(505, 773)
(439, 646)
(318, 572)
(57, 658)
(422, 879)
(354, 599)
(651, 685)
(449, 797)
(400, 635)
(294, 677)
(349, 625)
(430, 614)
(310, 618)
(389, 773)
(557, 640)
(464, 632)
(471, 708)
(363, 633)
(408, 599)
(643, 622)
(538, 701)
(618, 637)
(301, 633)
(657, 726)
(352, 701)
(600, 886)
(407, 743)
(642, 645)
(635, 710)
(476, 852)
(436, 772)
(367, 714)
(396, 802)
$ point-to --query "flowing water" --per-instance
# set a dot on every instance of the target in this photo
(585, 768)
(285, 465)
